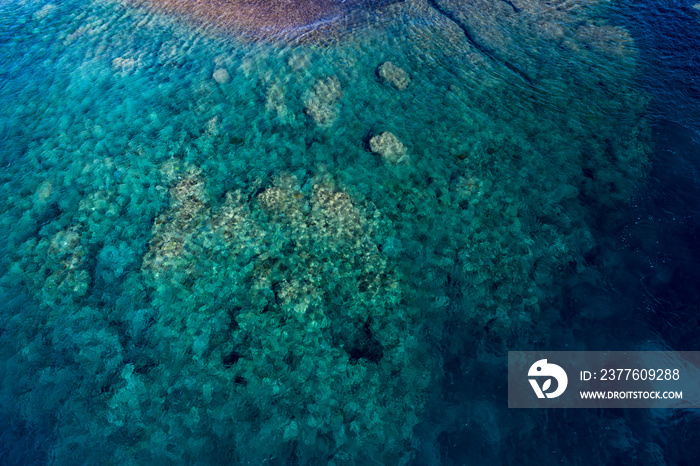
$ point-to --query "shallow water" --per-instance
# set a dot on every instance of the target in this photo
(215, 252)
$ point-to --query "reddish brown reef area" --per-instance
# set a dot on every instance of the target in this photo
(267, 17)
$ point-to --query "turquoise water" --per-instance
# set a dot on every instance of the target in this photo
(213, 251)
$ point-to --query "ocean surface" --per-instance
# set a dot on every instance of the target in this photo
(310, 233)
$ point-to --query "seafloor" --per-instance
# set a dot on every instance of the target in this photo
(221, 249)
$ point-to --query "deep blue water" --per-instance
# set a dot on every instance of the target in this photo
(646, 254)
(651, 297)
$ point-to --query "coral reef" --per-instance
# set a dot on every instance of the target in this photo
(341, 310)
(394, 75)
(213, 268)
(262, 18)
(221, 76)
(321, 102)
(389, 147)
